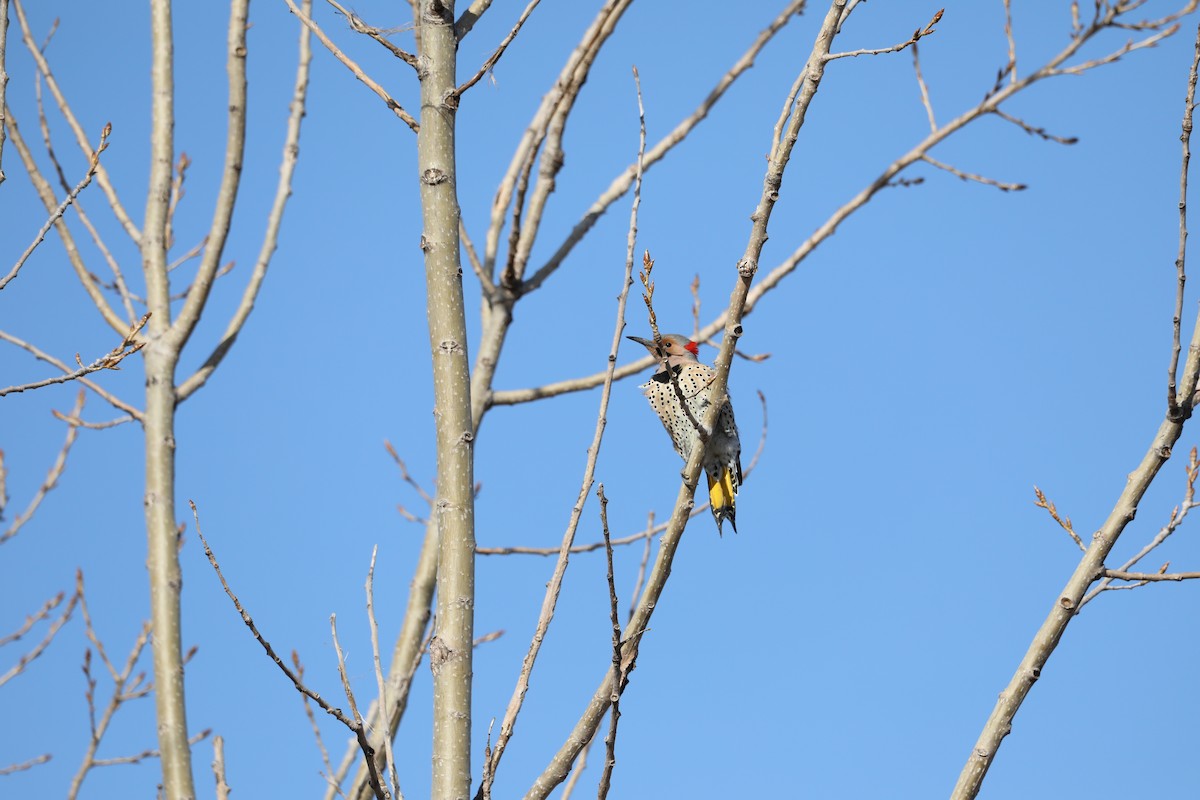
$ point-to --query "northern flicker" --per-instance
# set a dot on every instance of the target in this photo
(722, 457)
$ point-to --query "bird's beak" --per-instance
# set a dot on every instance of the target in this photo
(647, 343)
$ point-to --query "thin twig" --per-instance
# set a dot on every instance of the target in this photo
(194, 739)
(610, 741)
(355, 69)
(110, 360)
(969, 176)
(1011, 68)
(177, 194)
(1149, 41)
(43, 613)
(93, 426)
(312, 721)
(33, 619)
(411, 645)
(126, 687)
(3, 485)
(490, 64)
(49, 201)
(357, 25)
(641, 573)
(354, 725)
(405, 476)
(93, 165)
(118, 283)
(378, 785)
(90, 630)
(1034, 131)
(24, 765)
(918, 34)
(191, 253)
(56, 471)
(1064, 522)
(381, 685)
(925, 101)
(49, 359)
(755, 357)
(486, 285)
(1149, 577)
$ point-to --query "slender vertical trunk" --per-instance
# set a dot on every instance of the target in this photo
(166, 581)
(450, 651)
(161, 357)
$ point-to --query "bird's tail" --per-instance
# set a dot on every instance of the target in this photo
(722, 495)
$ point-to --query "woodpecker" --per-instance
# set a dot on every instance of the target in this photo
(722, 457)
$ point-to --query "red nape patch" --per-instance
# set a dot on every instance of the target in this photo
(693, 347)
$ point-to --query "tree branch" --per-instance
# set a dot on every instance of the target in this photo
(227, 192)
(56, 215)
(990, 103)
(46, 195)
(80, 136)
(450, 653)
(3, 87)
(554, 586)
(1091, 565)
(354, 726)
(918, 34)
(490, 63)
(283, 191)
(116, 402)
(469, 17)
(1189, 106)
(359, 26)
(354, 68)
(51, 481)
(131, 344)
(795, 113)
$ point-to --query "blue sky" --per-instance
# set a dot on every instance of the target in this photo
(950, 347)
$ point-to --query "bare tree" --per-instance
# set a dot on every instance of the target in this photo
(513, 261)
(169, 319)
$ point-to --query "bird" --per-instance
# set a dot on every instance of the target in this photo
(722, 456)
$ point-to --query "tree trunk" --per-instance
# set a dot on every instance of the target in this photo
(450, 650)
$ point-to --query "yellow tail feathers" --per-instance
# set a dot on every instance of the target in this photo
(721, 496)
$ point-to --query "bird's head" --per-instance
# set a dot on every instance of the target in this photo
(676, 348)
